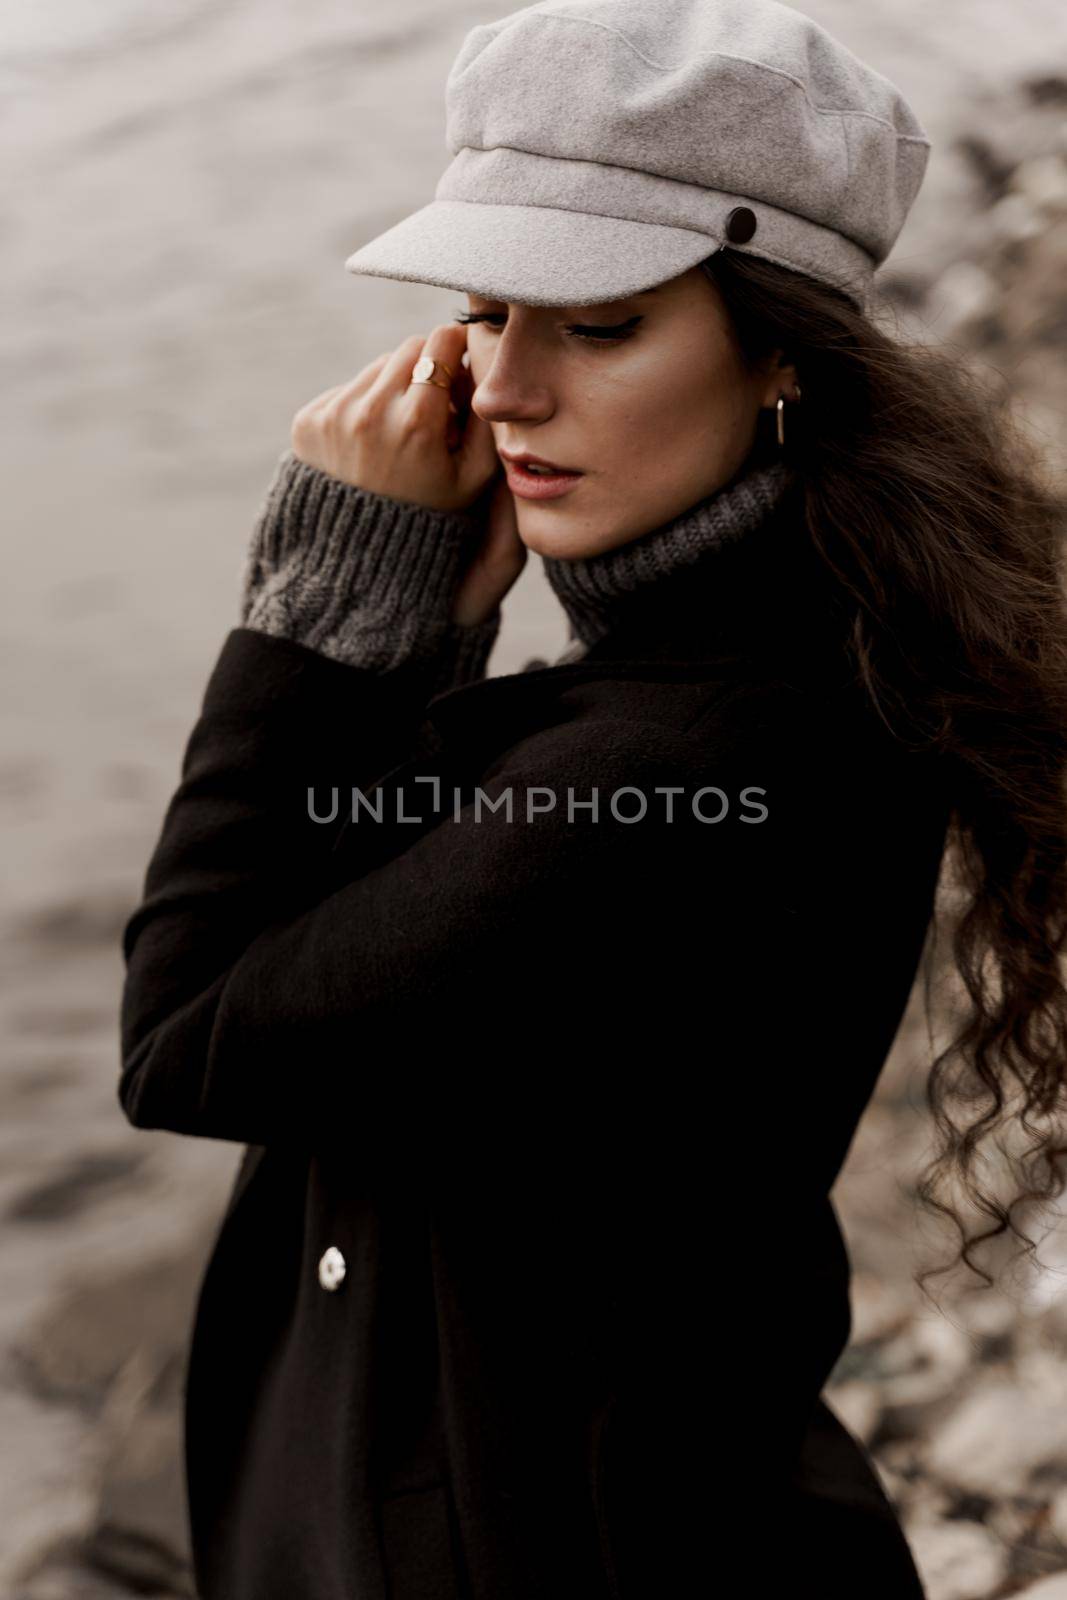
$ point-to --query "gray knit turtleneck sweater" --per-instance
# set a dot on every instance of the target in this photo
(370, 580)
(592, 589)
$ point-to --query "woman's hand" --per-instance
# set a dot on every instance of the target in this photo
(380, 432)
(423, 444)
(497, 561)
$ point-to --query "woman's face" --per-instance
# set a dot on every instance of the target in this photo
(655, 420)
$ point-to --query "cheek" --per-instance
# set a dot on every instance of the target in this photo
(698, 404)
(678, 412)
(680, 385)
(681, 443)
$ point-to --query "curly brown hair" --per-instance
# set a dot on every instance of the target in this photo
(933, 509)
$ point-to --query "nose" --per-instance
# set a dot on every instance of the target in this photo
(511, 387)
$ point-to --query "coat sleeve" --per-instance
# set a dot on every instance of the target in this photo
(282, 989)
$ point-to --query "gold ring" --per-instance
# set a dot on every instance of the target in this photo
(424, 369)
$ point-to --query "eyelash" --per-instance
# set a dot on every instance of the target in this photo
(599, 335)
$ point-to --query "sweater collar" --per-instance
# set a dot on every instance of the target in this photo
(763, 608)
(735, 577)
(602, 591)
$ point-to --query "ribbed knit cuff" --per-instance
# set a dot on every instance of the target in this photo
(362, 577)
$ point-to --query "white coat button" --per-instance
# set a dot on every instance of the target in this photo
(331, 1268)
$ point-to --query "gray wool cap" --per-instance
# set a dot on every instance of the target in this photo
(603, 146)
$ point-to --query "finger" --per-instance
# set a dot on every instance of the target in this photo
(362, 380)
(395, 375)
(503, 544)
(447, 342)
(497, 563)
(476, 460)
(463, 387)
(366, 376)
(444, 343)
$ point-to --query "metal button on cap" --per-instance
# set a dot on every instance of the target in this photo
(740, 225)
(331, 1268)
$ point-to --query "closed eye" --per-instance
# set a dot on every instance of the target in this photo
(594, 333)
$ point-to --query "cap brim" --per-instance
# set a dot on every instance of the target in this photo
(530, 255)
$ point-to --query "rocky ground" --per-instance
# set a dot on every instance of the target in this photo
(183, 208)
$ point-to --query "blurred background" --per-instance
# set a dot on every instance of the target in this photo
(184, 180)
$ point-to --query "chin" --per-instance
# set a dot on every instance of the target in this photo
(561, 538)
(541, 541)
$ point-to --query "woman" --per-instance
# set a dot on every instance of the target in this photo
(547, 1004)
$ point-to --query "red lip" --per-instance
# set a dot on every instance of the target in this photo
(538, 461)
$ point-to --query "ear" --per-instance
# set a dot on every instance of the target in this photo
(781, 379)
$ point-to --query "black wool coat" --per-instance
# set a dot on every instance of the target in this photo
(530, 1278)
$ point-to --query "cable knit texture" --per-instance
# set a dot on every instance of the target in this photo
(370, 580)
(595, 590)
(362, 577)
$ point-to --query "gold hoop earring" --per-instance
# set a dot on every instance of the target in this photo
(780, 408)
